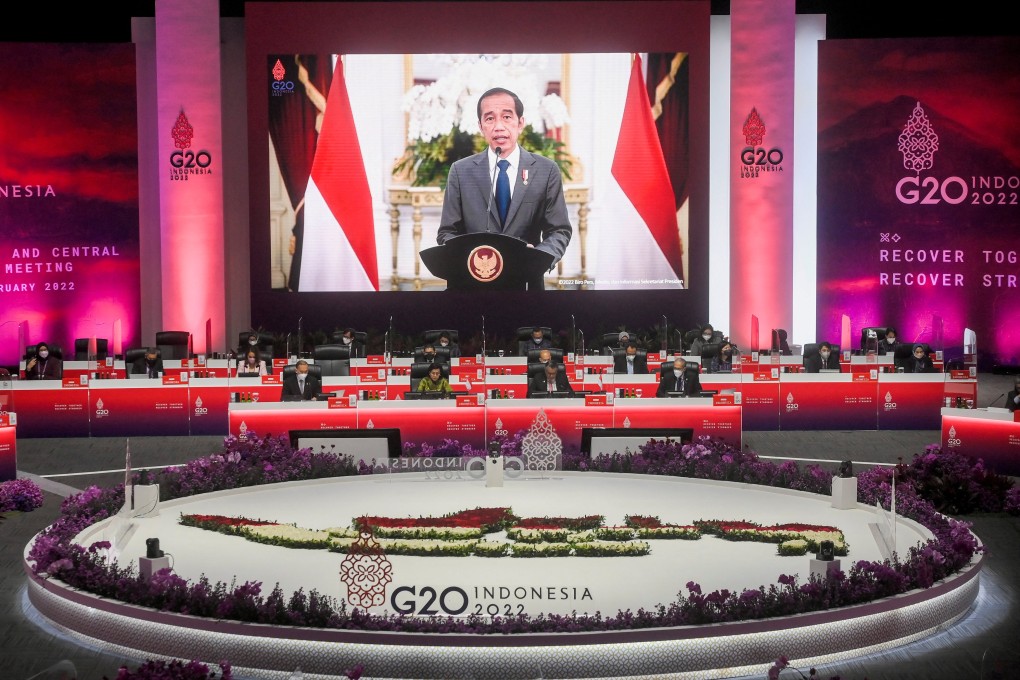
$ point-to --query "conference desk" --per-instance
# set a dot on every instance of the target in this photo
(474, 422)
(182, 402)
(991, 435)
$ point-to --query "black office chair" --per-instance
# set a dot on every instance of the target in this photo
(421, 369)
(333, 359)
(442, 355)
(780, 342)
(689, 338)
(870, 342)
(81, 349)
(609, 342)
(555, 352)
(524, 338)
(174, 344)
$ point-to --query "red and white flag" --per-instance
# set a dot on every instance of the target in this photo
(339, 251)
(640, 170)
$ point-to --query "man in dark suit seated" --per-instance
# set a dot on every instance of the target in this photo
(825, 359)
(150, 364)
(1013, 398)
(917, 362)
(680, 379)
(549, 381)
(301, 386)
(629, 361)
(888, 344)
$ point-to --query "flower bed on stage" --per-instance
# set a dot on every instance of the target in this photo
(257, 460)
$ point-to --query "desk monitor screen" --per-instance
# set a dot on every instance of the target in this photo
(676, 395)
(139, 376)
(550, 395)
(828, 370)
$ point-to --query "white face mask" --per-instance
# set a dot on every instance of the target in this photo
(677, 372)
(444, 343)
(347, 340)
(630, 358)
(706, 336)
(919, 355)
(824, 355)
(43, 354)
(891, 341)
(537, 340)
(253, 342)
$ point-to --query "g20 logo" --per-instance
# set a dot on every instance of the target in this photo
(930, 191)
(760, 156)
(190, 159)
(452, 601)
(283, 86)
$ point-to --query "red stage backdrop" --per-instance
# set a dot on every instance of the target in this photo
(919, 190)
(68, 195)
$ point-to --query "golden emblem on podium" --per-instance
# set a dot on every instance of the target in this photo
(485, 263)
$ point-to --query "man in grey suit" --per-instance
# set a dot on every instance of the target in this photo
(526, 198)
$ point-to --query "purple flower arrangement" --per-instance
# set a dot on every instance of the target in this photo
(173, 670)
(263, 460)
(22, 495)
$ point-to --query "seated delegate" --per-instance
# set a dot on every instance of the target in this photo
(723, 362)
(826, 359)
(681, 379)
(150, 364)
(630, 362)
(43, 366)
(888, 344)
(550, 381)
(435, 381)
(917, 362)
(708, 336)
(301, 386)
(251, 365)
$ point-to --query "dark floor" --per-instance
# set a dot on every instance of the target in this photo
(987, 638)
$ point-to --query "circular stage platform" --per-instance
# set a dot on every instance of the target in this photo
(465, 585)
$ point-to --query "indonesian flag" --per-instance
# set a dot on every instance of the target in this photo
(640, 171)
(339, 239)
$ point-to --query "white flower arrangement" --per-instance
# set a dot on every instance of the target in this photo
(611, 549)
(670, 532)
(289, 533)
(450, 102)
(439, 533)
(542, 549)
(538, 535)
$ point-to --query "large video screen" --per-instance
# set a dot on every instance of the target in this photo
(362, 147)
(919, 176)
(69, 265)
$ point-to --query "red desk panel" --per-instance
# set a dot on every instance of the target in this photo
(993, 436)
(832, 401)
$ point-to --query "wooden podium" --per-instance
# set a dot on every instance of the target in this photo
(487, 261)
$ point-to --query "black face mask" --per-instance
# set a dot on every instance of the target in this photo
(149, 361)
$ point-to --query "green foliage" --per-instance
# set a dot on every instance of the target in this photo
(428, 162)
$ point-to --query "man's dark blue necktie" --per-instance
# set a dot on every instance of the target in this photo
(502, 190)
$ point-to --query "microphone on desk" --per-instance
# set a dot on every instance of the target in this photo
(492, 188)
(996, 399)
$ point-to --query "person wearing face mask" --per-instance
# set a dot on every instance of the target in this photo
(630, 361)
(44, 366)
(301, 385)
(679, 379)
(538, 339)
(429, 354)
(151, 364)
(917, 362)
(1013, 398)
(723, 362)
(350, 339)
(708, 336)
(251, 365)
(826, 359)
(888, 344)
(444, 341)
